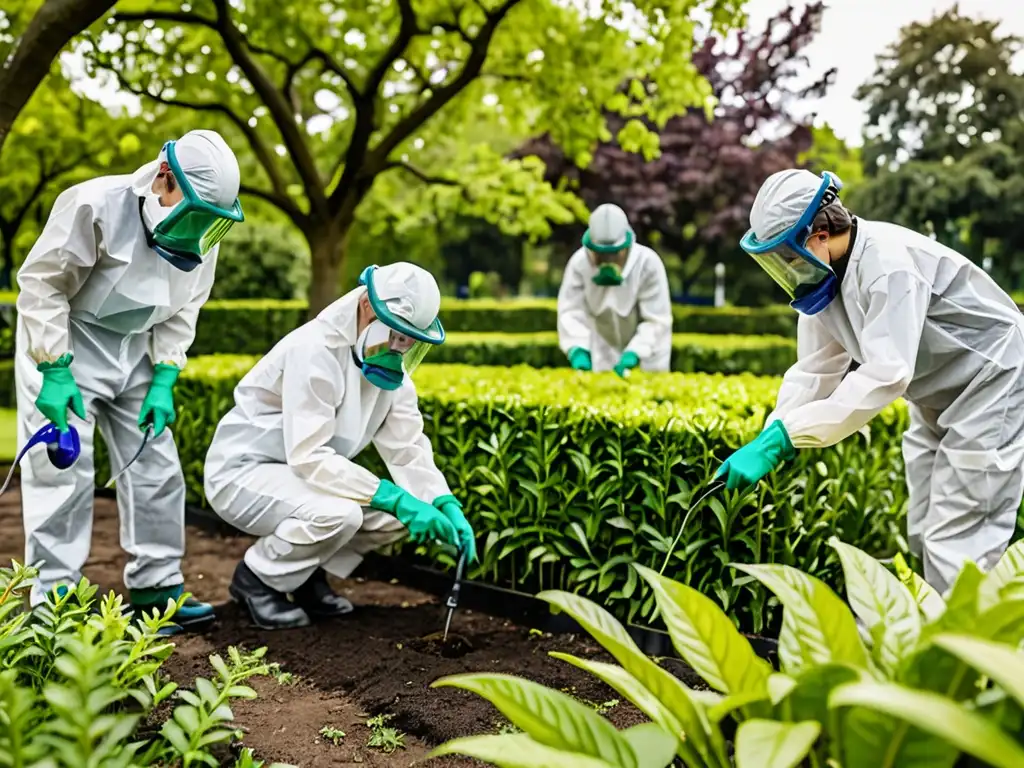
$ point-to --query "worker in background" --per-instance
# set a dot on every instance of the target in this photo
(923, 323)
(107, 309)
(281, 463)
(614, 307)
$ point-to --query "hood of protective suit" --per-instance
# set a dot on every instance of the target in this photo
(609, 227)
(409, 291)
(782, 200)
(208, 163)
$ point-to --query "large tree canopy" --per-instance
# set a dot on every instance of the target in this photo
(31, 36)
(692, 197)
(944, 144)
(59, 139)
(326, 98)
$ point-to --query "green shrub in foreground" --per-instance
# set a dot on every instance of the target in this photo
(928, 681)
(80, 684)
(569, 478)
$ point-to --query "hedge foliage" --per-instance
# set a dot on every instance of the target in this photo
(253, 326)
(570, 477)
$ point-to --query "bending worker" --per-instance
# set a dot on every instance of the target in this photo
(614, 307)
(923, 323)
(280, 466)
(107, 310)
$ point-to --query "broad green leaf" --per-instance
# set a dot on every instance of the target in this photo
(817, 627)
(929, 602)
(770, 744)
(879, 599)
(624, 684)
(517, 750)
(689, 720)
(548, 716)
(961, 605)
(1003, 622)
(779, 686)
(1005, 580)
(707, 639)
(808, 698)
(729, 704)
(653, 745)
(933, 714)
(1003, 663)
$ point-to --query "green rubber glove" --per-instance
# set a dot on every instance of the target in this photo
(579, 359)
(158, 407)
(452, 509)
(59, 392)
(425, 523)
(757, 458)
(628, 361)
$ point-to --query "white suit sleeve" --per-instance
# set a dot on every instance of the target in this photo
(53, 272)
(313, 384)
(406, 450)
(574, 323)
(655, 306)
(894, 321)
(820, 366)
(172, 338)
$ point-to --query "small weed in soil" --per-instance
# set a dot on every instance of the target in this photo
(383, 737)
(332, 734)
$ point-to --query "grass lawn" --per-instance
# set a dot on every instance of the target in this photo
(8, 435)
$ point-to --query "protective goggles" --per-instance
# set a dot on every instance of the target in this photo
(195, 226)
(601, 253)
(393, 334)
(810, 283)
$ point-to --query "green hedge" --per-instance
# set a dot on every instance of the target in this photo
(569, 477)
(252, 327)
(691, 353)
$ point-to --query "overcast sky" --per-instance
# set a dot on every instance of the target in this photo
(853, 32)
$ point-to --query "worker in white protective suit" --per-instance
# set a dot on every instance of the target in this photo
(107, 310)
(614, 306)
(281, 463)
(922, 322)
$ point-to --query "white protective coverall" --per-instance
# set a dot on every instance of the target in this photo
(280, 465)
(92, 286)
(924, 323)
(609, 320)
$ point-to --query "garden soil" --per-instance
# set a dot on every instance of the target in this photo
(381, 659)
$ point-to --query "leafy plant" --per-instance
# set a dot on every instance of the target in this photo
(80, 681)
(929, 682)
(332, 734)
(247, 759)
(384, 737)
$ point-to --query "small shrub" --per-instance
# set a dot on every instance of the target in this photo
(80, 682)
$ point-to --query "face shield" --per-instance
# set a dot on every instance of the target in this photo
(392, 346)
(810, 283)
(190, 230)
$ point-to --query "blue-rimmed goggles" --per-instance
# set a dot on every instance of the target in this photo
(399, 335)
(810, 283)
(194, 226)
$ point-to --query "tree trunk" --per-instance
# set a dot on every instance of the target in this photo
(51, 28)
(327, 247)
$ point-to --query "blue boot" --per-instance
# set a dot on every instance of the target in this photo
(193, 616)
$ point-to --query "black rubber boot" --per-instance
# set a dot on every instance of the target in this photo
(318, 599)
(268, 608)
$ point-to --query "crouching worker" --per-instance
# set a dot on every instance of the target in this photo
(280, 466)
